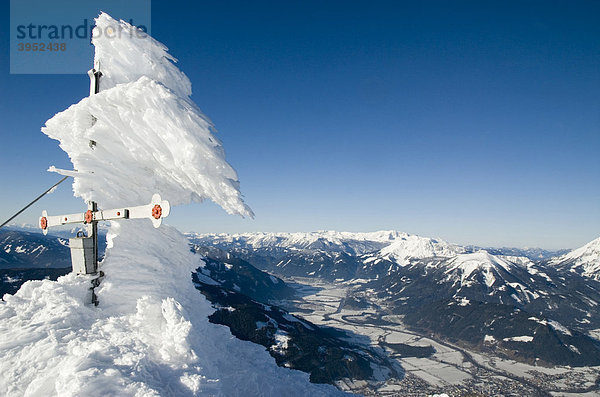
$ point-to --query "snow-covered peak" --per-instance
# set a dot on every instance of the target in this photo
(504, 279)
(482, 261)
(124, 54)
(588, 253)
(407, 247)
(584, 260)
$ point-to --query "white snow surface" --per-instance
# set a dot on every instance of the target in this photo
(489, 339)
(524, 338)
(584, 260)
(559, 327)
(150, 335)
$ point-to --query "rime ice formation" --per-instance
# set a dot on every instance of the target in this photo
(150, 335)
(149, 137)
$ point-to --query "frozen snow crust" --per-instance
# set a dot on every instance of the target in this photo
(150, 335)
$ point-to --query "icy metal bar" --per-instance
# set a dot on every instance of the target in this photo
(92, 230)
(107, 215)
(94, 81)
(57, 220)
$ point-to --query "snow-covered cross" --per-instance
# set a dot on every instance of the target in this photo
(84, 249)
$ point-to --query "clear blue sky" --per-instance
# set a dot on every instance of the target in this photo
(477, 122)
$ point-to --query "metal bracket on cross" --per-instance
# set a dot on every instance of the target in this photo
(84, 249)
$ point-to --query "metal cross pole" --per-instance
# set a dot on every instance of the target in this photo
(84, 253)
(94, 80)
(92, 227)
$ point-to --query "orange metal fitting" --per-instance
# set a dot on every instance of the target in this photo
(156, 211)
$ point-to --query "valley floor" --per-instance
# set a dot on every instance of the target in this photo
(451, 369)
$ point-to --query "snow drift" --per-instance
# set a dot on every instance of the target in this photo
(150, 335)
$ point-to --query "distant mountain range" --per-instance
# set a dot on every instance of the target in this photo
(531, 253)
(532, 305)
(27, 247)
(339, 255)
(524, 304)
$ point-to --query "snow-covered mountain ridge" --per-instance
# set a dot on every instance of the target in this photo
(408, 247)
(358, 243)
(329, 254)
(399, 247)
(482, 261)
(355, 243)
(584, 260)
(407, 271)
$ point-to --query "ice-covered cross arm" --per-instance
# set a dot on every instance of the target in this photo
(155, 211)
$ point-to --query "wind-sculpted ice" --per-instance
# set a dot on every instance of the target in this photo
(148, 137)
(146, 140)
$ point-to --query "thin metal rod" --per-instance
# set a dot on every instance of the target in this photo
(33, 202)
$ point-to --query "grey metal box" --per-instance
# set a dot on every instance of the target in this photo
(82, 255)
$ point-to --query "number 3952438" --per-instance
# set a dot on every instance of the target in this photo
(39, 47)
